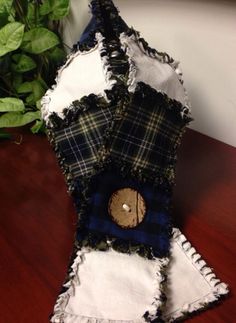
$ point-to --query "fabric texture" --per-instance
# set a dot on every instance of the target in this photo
(148, 134)
(81, 140)
(116, 121)
(126, 287)
(153, 231)
(73, 85)
(160, 76)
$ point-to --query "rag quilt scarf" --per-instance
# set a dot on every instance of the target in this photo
(115, 118)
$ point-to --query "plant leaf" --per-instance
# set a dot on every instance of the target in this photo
(56, 9)
(25, 87)
(38, 127)
(57, 55)
(35, 88)
(33, 16)
(17, 80)
(45, 8)
(11, 104)
(5, 6)
(37, 92)
(11, 37)
(5, 9)
(24, 63)
(38, 104)
(17, 119)
(38, 40)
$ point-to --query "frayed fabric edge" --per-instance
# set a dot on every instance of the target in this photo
(109, 75)
(71, 318)
(59, 315)
(105, 61)
(109, 78)
(45, 112)
(162, 57)
(218, 289)
(59, 309)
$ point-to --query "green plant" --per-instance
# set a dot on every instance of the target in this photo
(30, 52)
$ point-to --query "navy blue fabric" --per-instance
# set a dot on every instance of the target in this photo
(153, 231)
(80, 141)
(87, 35)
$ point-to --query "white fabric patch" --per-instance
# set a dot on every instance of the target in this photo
(82, 75)
(192, 285)
(114, 287)
(110, 287)
(160, 76)
(88, 72)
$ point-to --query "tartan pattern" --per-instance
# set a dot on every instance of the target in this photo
(153, 231)
(148, 133)
(80, 141)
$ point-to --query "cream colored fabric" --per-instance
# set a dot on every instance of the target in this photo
(115, 287)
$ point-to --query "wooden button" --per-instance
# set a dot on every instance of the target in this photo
(127, 207)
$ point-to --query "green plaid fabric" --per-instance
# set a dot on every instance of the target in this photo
(80, 142)
(149, 132)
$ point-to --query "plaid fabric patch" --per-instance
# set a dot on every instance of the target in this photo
(79, 143)
(147, 135)
(153, 231)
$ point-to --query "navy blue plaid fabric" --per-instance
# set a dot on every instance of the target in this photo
(148, 134)
(79, 142)
(153, 231)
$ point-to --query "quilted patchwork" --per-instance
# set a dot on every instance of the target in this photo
(148, 134)
(154, 231)
(80, 141)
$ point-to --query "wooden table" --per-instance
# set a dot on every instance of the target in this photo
(37, 222)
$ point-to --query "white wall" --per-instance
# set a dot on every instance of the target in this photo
(202, 35)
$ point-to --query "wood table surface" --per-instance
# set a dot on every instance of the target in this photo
(38, 221)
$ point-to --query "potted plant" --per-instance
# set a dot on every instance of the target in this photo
(31, 50)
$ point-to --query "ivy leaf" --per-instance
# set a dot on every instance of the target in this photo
(24, 63)
(11, 104)
(54, 9)
(11, 36)
(17, 119)
(38, 40)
